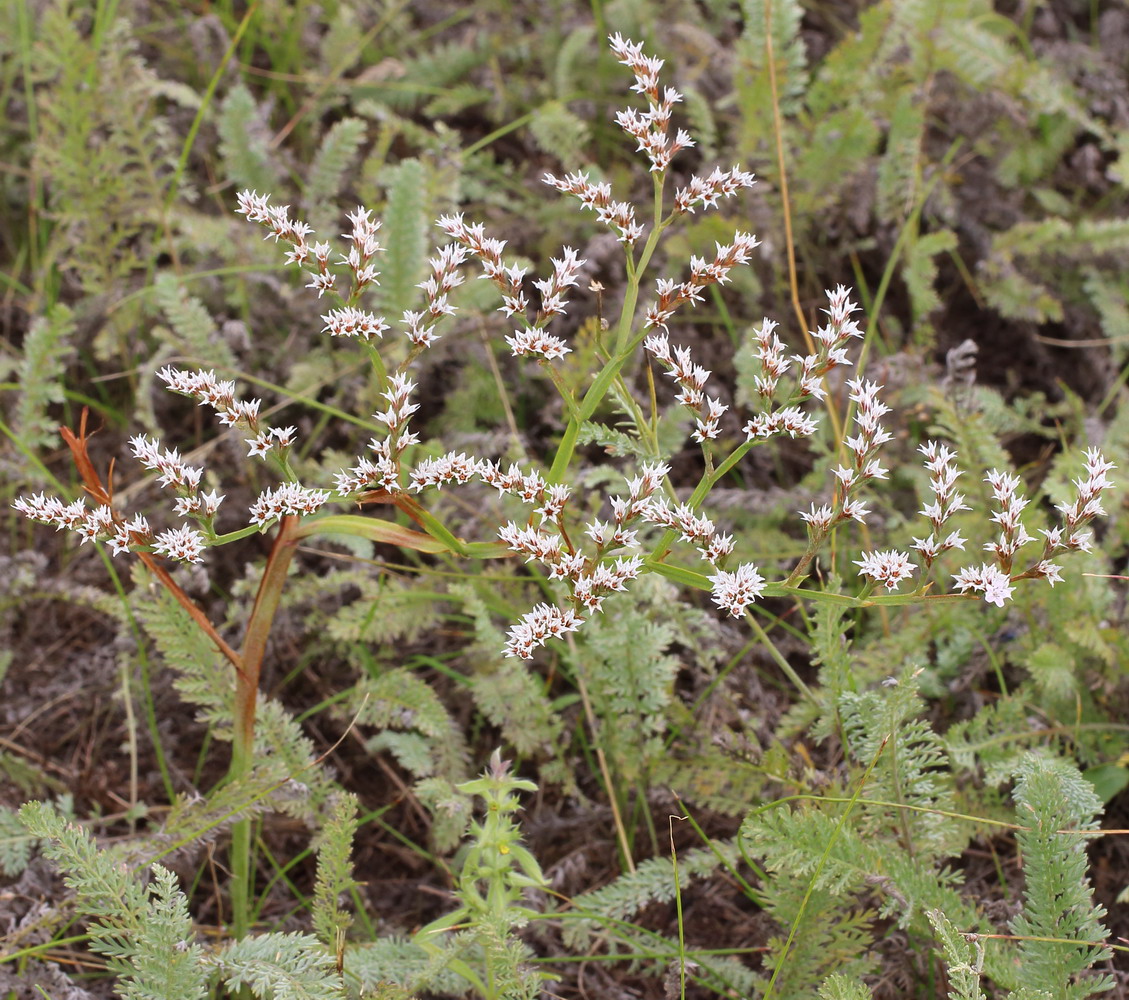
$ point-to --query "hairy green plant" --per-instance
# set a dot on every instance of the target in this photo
(45, 352)
(496, 871)
(98, 116)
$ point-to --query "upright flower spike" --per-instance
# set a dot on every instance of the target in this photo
(651, 127)
(831, 340)
(770, 353)
(941, 466)
(1087, 505)
(445, 276)
(364, 246)
(864, 444)
(1013, 535)
(552, 288)
(691, 380)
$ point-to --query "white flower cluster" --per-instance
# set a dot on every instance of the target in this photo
(184, 544)
(552, 288)
(533, 340)
(705, 191)
(289, 498)
(651, 128)
(489, 253)
(1087, 505)
(589, 577)
(103, 524)
(257, 208)
(790, 420)
(619, 215)
(276, 439)
(544, 622)
(941, 466)
(350, 320)
(531, 488)
(1070, 536)
(691, 379)
(449, 468)
(864, 444)
(382, 471)
(185, 479)
(995, 580)
(734, 592)
(206, 389)
(697, 529)
(888, 568)
(831, 351)
(702, 274)
(173, 469)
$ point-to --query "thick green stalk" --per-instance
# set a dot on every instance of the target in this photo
(625, 343)
(246, 695)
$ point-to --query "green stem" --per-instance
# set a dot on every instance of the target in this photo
(625, 343)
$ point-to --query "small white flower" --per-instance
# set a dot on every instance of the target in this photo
(888, 568)
(289, 498)
(737, 590)
(184, 544)
(536, 627)
(323, 282)
(1050, 571)
(819, 518)
(994, 582)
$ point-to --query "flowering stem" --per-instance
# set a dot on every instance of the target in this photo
(636, 269)
(625, 343)
(816, 538)
(562, 388)
(588, 405)
(246, 694)
(194, 612)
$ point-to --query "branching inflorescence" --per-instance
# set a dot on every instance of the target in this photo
(587, 565)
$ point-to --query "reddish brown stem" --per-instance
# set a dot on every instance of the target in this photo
(198, 616)
(259, 625)
(103, 494)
